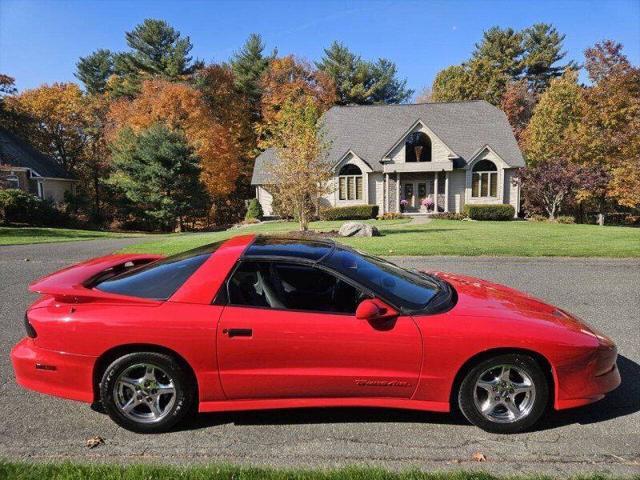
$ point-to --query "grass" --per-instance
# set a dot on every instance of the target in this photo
(71, 471)
(27, 235)
(449, 237)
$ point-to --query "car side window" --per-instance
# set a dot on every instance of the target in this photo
(291, 286)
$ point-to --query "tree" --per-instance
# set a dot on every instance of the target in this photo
(543, 46)
(248, 65)
(517, 104)
(56, 119)
(288, 81)
(7, 87)
(95, 70)
(504, 56)
(425, 95)
(361, 82)
(606, 136)
(157, 171)
(550, 186)
(183, 108)
(157, 50)
(302, 171)
(555, 114)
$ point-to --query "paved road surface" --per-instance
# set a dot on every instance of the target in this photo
(603, 437)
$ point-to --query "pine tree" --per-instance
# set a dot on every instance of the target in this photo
(361, 82)
(543, 47)
(94, 70)
(248, 65)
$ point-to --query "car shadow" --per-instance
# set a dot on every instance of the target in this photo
(623, 401)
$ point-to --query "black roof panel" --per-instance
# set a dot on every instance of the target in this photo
(284, 247)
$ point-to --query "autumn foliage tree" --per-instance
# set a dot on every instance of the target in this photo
(289, 81)
(182, 107)
(302, 171)
(518, 103)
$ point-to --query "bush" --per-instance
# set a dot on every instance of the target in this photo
(565, 219)
(536, 217)
(390, 216)
(449, 216)
(490, 212)
(18, 206)
(254, 210)
(354, 212)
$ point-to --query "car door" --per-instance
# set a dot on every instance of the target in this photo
(289, 331)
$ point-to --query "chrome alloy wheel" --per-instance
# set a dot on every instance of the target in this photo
(504, 394)
(144, 392)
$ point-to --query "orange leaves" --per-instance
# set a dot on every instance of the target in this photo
(289, 80)
(182, 107)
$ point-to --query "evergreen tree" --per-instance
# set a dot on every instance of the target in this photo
(502, 49)
(158, 174)
(543, 47)
(94, 70)
(360, 82)
(248, 65)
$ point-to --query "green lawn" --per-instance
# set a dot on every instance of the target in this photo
(69, 471)
(449, 237)
(21, 236)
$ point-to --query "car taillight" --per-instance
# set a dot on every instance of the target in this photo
(31, 332)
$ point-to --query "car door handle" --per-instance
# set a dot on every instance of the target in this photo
(238, 332)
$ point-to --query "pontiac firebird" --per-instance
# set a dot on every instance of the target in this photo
(273, 322)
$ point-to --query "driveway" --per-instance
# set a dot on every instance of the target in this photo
(603, 437)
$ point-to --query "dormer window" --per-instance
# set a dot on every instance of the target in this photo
(350, 183)
(418, 147)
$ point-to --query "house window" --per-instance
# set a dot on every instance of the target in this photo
(12, 181)
(418, 148)
(484, 182)
(350, 183)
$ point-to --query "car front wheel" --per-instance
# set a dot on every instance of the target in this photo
(504, 394)
(146, 392)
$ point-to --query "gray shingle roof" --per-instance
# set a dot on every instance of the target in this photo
(18, 153)
(371, 130)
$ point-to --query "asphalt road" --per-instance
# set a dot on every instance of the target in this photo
(603, 437)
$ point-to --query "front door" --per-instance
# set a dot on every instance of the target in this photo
(408, 195)
(290, 331)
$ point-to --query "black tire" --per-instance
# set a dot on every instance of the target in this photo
(531, 406)
(166, 367)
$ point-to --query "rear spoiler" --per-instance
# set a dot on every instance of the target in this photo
(74, 283)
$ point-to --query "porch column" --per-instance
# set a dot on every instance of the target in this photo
(386, 193)
(397, 192)
(435, 192)
(446, 191)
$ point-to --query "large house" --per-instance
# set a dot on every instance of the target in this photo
(23, 167)
(453, 153)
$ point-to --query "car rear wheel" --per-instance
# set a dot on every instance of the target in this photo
(504, 394)
(146, 392)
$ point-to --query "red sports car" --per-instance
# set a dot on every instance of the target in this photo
(273, 322)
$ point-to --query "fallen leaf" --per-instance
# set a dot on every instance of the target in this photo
(93, 442)
(479, 457)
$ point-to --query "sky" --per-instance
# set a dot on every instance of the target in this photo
(40, 40)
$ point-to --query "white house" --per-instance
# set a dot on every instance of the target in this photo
(453, 153)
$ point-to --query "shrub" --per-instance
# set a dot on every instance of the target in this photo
(565, 219)
(254, 210)
(354, 212)
(18, 206)
(390, 216)
(490, 212)
(536, 217)
(449, 216)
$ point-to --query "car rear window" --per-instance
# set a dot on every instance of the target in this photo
(160, 279)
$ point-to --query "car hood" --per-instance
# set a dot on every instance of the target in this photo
(481, 298)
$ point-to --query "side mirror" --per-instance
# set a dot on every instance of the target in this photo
(374, 309)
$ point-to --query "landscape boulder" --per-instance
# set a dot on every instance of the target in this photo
(358, 229)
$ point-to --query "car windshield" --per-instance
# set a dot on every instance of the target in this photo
(160, 279)
(412, 291)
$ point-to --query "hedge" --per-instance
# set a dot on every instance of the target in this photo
(353, 212)
(490, 212)
(18, 206)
